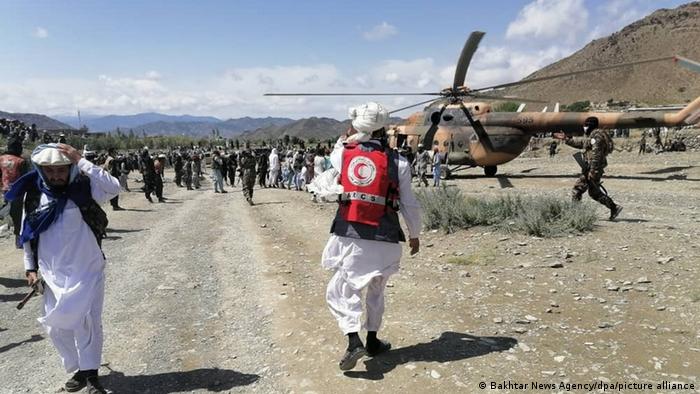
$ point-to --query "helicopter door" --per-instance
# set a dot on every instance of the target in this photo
(401, 140)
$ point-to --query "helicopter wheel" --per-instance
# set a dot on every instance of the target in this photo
(490, 170)
(445, 173)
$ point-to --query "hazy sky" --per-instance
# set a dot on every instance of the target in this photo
(219, 57)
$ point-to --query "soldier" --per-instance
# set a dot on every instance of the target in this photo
(179, 167)
(247, 163)
(159, 169)
(263, 165)
(642, 144)
(149, 174)
(596, 144)
(422, 162)
(232, 163)
(187, 175)
(111, 165)
(12, 166)
(196, 170)
(552, 149)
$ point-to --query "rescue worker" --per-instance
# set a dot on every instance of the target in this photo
(12, 166)
(596, 145)
(61, 236)
(247, 164)
(364, 249)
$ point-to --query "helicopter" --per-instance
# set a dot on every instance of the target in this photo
(470, 133)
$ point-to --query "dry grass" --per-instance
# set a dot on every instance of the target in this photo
(543, 216)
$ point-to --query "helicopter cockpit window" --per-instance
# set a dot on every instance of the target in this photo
(447, 117)
(435, 117)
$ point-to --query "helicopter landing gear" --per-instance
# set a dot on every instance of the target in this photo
(445, 173)
(490, 171)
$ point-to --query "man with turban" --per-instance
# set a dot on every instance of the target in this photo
(61, 236)
(364, 250)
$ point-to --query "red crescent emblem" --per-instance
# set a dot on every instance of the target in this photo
(359, 172)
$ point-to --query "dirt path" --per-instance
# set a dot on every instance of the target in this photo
(206, 293)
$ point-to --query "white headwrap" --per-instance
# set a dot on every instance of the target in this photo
(367, 118)
(49, 155)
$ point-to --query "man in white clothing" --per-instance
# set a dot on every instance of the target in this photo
(364, 249)
(61, 237)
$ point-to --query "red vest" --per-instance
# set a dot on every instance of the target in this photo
(11, 167)
(369, 203)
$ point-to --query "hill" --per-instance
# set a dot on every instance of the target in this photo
(665, 32)
(42, 122)
(317, 128)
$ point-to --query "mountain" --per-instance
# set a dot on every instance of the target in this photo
(42, 122)
(665, 32)
(318, 128)
(111, 122)
(228, 128)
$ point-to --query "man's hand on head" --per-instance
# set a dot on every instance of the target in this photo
(70, 152)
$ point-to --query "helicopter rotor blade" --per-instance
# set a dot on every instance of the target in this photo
(509, 98)
(465, 58)
(414, 105)
(505, 85)
(353, 94)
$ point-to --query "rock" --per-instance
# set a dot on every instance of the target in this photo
(531, 318)
(524, 347)
(613, 288)
(429, 245)
(498, 320)
(556, 264)
(164, 287)
(643, 279)
(559, 359)
(522, 243)
(660, 308)
(520, 330)
(435, 374)
(263, 225)
(610, 269)
(664, 260)
(604, 325)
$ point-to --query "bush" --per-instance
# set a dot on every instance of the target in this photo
(543, 216)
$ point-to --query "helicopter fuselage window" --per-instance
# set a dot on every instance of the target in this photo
(447, 117)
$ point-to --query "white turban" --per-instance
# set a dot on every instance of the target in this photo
(49, 155)
(368, 117)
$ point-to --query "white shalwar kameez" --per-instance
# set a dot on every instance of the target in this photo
(72, 265)
(361, 263)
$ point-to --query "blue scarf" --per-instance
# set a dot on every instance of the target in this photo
(38, 221)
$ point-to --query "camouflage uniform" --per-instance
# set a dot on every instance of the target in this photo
(247, 163)
(596, 147)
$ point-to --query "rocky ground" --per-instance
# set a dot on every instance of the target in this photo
(207, 294)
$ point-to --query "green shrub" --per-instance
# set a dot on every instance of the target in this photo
(543, 216)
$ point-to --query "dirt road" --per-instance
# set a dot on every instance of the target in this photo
(206, 293)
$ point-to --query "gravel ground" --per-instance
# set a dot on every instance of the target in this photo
(206, 293)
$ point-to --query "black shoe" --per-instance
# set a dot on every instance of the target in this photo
(375, 349)
(615, 212)
(224, 191)
(216, 191)
(351, 357)
(76, 383)
(149, 199)
(161, 200)
(94, 386)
